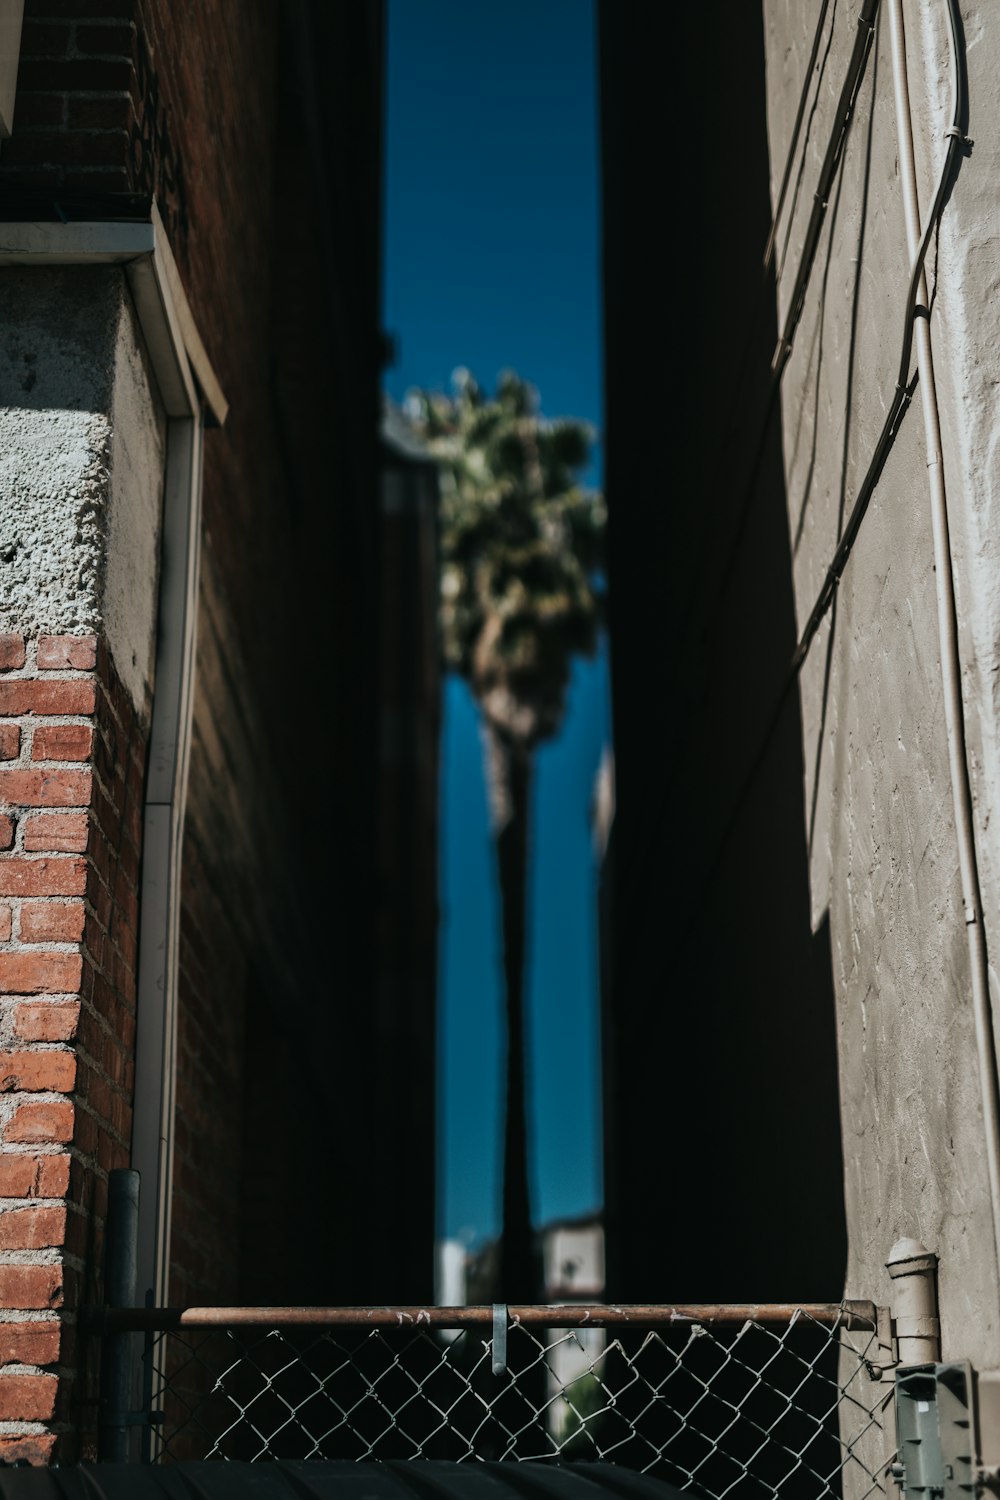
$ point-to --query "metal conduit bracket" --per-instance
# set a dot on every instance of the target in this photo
(499, 1338)
(914, 1303)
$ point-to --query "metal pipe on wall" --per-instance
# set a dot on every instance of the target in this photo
(951, 672)
(912, 1270)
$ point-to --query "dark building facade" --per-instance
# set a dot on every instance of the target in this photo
(723, 1168)
(194, 672)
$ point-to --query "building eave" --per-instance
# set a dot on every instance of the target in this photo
(181, 364)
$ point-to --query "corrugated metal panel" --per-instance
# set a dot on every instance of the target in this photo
(415, 1480)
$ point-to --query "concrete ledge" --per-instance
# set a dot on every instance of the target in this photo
(180, 360)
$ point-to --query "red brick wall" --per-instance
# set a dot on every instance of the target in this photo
(89, 119)
(71, 781)
(275, 232)
(107, 91)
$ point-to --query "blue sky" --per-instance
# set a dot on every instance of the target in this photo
(492, 261)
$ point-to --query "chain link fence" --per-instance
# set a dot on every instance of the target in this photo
(724, 1401)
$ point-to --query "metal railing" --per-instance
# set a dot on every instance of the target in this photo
(725, 1400)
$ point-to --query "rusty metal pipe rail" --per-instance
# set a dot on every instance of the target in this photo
(848, 1315)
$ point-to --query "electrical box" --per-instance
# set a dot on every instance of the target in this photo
(988, 1424)
(935, 1431)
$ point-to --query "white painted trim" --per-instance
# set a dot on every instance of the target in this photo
(172, 290)
(187, 385)
(161, 330)
(180, 361)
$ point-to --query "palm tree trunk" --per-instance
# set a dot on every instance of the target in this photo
(508, 767)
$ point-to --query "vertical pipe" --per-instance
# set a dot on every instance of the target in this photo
(162, 843)
(951, 671)
(914, 1303)
(121, 1238)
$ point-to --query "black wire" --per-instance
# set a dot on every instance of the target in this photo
(831, 161)
(902, 396)
(793, 143)
(905, 383)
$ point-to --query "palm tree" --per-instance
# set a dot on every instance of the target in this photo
(521, 553)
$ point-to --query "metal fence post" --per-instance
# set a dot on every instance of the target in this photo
(914, 1307)
(121, 1228)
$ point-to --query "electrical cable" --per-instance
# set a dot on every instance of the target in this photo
(944, 581)
(831, 161)
(902, 396)
(793, 143)
(767, 403)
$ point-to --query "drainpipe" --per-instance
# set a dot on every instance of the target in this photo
(951, 668)
(163, 833)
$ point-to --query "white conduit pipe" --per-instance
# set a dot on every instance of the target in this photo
(951, 672)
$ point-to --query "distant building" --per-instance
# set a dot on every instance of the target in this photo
(450, 1274)
(573, 1264)
(573, 1259)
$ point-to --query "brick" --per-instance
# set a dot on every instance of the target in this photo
(86, 1136)
(92, 148)
(99, 10)
(39, 973)
(27, 1398)
(87, 74)
(30, 1286)
(57, 652)
(43, 877)
(34, 788)
(34, 1072)
(128, 857)
(60, 742)
(36, 1450)
(105, 41)
(52, 833)
(11, 651)
(6, 923)
(111, 1154)
(43, 39)
(28, 695)
(32, 1228)
(52, 922)
(48, 179)
(100, 899)
(6, 831)
(41, 1120)
(95, 180)
(29, 1344)
(47, 1020)
(53, 1177)
(103, 112)
(10, 741)
(40, 111)
(30, 1176)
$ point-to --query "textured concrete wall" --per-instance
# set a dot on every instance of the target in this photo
(878, 808)
(81, 465)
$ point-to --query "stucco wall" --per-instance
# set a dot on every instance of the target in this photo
(81, 465)
(878, 808)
